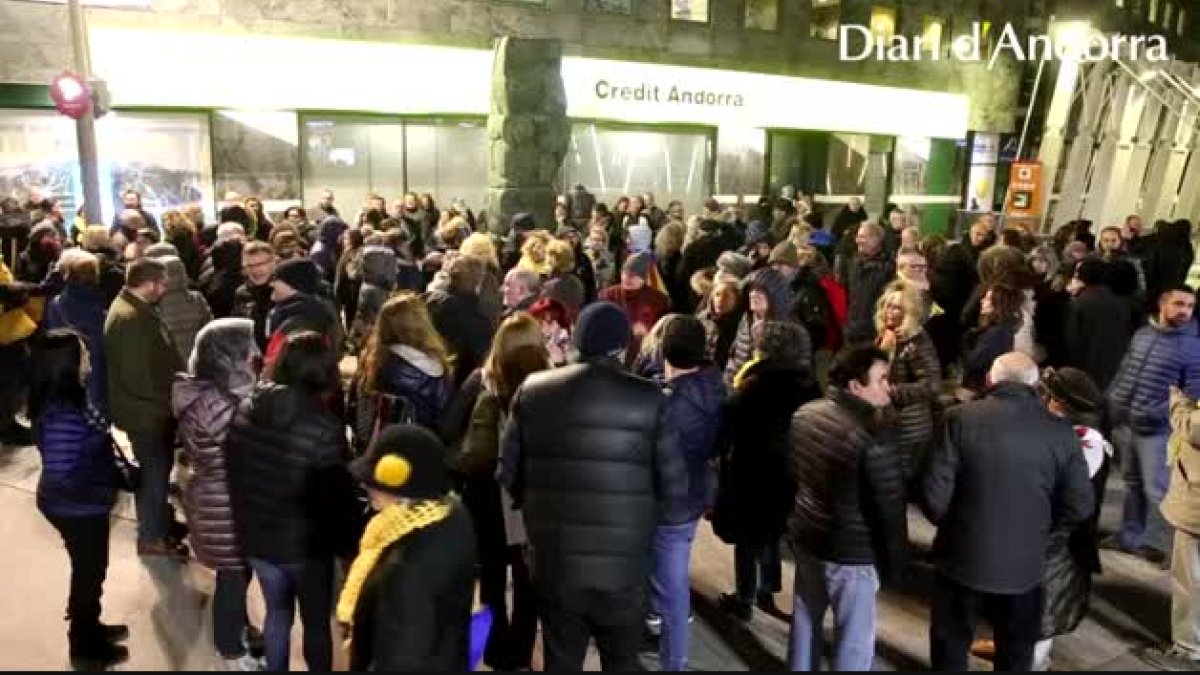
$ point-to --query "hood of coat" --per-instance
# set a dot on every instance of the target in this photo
(379, 266)
(419, 360)
(330, 231)
(776, 288)
(177, 278)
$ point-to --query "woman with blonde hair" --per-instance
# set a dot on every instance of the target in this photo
(98, 242)
(533, 253)
(913, 370)
(181, 233)
(405, 372)
(491, 301)
(517, 352)
(563, 284)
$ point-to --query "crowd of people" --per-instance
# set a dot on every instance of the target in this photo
(429, 407)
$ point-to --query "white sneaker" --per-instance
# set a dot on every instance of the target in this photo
(242, 664)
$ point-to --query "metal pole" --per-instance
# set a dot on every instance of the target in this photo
(1037, 81)
(85, 127)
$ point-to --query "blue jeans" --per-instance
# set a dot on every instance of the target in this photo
(670, 591)
(850, 590)
(757, 570)
(1146, 476)
(155, 453)
(310, 582)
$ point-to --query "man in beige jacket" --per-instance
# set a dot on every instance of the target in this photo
(1181, 508)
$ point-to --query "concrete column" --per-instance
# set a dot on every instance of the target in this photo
(1050, 152)
(877, 184)
(1162, 187)
(1117, 180)
(528, 130)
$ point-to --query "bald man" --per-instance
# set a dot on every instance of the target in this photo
(1006, 473)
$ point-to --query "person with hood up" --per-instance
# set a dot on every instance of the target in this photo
(642, 303)
(756, 488)
(406, 604)
(623, 476)
(458, 315)
(517, 352)
(695, 399)
(325, 250)
(379, 272)
(221, 373)
(766, 299)
(294, 505)
(405, 373)
(81, 307)
(184, 311)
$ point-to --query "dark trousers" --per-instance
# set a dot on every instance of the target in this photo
(1016, 622)
(510, 643)
(229, 612)
(571, 616)
(86, 540)
(155, 453)
(283, 585)
(757, 570)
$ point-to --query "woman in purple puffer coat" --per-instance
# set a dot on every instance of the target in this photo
(221, 371)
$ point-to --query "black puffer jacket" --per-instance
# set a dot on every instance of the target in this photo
(293, 498)
(916, 378)
(756, 490)
(460, 320)
(849, 506)
(587, 453)
(864, 282)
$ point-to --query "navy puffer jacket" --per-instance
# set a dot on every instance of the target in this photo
(694, 405)
(79, 477)
(1158, 357)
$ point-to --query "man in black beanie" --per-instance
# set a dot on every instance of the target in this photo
(589, 457)
(295, 290)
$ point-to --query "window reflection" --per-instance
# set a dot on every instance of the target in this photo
(257, 153)
(847, 170)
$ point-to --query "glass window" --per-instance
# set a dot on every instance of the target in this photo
(257, 153)
(762, 14)
(824, 19)
(353, 157)
(612, 163)
(931, 33)
(166, 157)
(740, 161)
(37, 150)
(883, 23)
(846, 172)
(911, 159)
(614, 6)
(449, 161)
(689, 10)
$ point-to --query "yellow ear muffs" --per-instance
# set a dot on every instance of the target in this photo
(392, 471)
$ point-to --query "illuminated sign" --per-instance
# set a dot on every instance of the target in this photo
(352, 75)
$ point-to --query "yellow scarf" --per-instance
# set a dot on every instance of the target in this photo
(385, 529)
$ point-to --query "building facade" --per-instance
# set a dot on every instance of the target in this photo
(682, 98)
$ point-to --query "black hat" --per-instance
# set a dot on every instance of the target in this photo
(1074, 388)
(405, 460)
(603, 328)
(523, 222)
(301, 274)
(684, 342)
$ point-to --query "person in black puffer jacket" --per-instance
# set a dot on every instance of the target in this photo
(849, 522)
(459, 317)
(756, 492)
(294, 504)
(592, 505)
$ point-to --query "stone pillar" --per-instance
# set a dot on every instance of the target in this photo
(877, 184)
(528, 130)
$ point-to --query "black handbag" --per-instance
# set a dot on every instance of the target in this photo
(129, 472)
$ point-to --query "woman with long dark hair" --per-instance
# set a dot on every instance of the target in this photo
(294, 505)
(77, 488)
(262, 221)
(517, 352)
(999, 318)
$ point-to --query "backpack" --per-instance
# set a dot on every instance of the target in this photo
(371, 413)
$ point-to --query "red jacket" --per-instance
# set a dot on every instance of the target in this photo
(836, 294)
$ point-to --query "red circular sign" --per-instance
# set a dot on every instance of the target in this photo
(72, 95)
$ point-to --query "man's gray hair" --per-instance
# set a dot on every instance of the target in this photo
(228, 231)
(1014, 367)
(527, 278)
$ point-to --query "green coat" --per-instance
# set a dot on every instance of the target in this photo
(142, 362)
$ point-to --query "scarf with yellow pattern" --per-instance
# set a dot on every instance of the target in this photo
(386, 528)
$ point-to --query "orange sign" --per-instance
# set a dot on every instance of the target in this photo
(1024, 198)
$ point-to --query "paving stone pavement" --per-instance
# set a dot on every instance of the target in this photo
(167, 604)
